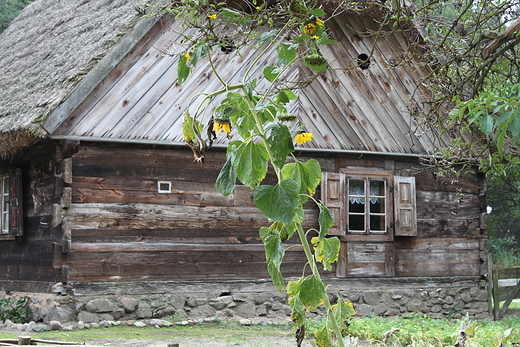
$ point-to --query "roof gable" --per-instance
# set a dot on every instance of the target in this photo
(133, 93)
(347, 108)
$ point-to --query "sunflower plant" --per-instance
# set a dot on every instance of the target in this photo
(261, 121)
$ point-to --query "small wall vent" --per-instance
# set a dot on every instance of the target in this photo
(164, 187)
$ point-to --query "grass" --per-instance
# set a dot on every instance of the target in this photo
(515, 304)
(437, 332)
(228, 331)
(416, 330)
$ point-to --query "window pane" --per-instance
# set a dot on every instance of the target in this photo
(377, 205)
(377, 188)
(356, 222)
(356, 205)
(5, 225)
(377, 223)
(356, 187)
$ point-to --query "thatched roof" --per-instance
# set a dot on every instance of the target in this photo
(45, 52)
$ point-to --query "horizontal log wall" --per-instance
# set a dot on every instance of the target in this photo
(123, 229)
(30, 257)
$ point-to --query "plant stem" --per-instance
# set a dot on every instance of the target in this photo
(316, 273)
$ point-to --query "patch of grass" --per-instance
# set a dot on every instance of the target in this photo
(224, 330)
(414, 330)
(422, 330)
(515, 304)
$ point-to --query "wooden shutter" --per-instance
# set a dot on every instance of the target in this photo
(333, 196)
(15, 203)
(405, 215)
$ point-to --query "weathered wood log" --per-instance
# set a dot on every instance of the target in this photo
(24, 340)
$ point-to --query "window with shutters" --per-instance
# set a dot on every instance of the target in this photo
(369, 207)
(11, 204)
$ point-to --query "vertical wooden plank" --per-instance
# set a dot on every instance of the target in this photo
(66, 237)
(57, 215)
(66, 170)
(490, 285)
(341, 267)
(65, 273)
(390, 259)
(405, 206)
(66, 198)
(496, 295)
(15, 203)
(333, 196)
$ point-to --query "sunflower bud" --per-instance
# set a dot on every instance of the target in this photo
(316, 62)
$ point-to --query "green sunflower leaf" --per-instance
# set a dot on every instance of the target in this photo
(227, 177)
(183, 70)
(325, 220)
(250, 163)
(278, 202)
(312, 293)
(326, 251)
(276, 275)
(306, 174)
(281, 143)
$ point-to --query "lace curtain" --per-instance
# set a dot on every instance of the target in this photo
(357, 187)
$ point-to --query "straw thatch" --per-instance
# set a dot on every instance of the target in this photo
(45, 52)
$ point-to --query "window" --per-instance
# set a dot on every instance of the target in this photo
(5, 204)
(11, 206)
(369, 207)
(366, 205)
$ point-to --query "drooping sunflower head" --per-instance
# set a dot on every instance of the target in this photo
(222, 124)
(303, 137)
(316, 62)
(309, 28)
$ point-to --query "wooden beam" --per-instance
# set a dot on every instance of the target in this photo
(501, 38)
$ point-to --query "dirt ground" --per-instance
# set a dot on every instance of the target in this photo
(166, 337)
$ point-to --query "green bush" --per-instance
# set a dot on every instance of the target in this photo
(421, 330)
(16, 311)
(504, 252)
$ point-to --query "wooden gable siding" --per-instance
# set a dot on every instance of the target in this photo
(346, 108)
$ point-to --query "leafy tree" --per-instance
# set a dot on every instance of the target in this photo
(9, 9)
(472, 47)
(504, 229)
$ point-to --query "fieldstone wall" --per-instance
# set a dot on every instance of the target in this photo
(253, 300)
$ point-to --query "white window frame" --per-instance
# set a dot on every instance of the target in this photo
(4, 208)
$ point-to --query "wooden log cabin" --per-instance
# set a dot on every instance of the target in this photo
(99, 188)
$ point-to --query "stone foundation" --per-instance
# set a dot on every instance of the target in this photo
(242, 299)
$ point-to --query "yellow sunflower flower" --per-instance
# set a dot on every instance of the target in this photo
(315, 37)
(212, 16)
(309, 28)
(303, 137)
(319, 22)
(187, 55)
(218, 126)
